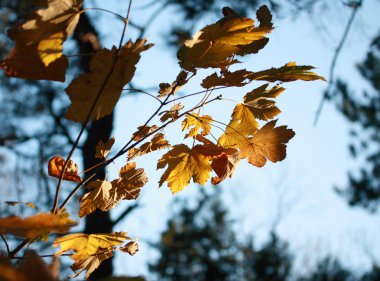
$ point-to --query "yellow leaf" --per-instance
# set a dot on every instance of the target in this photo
(85, 245)
(157, 142)
(242, 125)
(102, 149)
(97, 198)
(89, 250)
(259, 104)
(217, 44)
(55, 168)
(287, 73)
(202, 123)
(36, 225)
(143, 131)
(268, 143)
(172, 113)
(185, 164)
(84, 89)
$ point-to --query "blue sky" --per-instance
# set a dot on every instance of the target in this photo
(316, 221)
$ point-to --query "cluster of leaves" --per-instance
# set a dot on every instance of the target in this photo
(38, 55)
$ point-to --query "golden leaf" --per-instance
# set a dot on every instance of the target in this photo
(259, 104)
(55, 167)
(143, 131)
(224, 165)
(202, 123)
(102, 149)
(36, 225)
(185, 164)
(89, 250)
(97, 197)
(115, 66)
(267, 143)
(172, 113)
(287, 73)
(157, 142)
(217, 44)
(242, 125)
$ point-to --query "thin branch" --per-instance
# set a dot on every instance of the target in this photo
(126, 212)
(18, 248)
(327, 94)
(43, 256)
(6, 243)
(143, 92)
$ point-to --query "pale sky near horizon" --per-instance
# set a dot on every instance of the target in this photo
(319, 222)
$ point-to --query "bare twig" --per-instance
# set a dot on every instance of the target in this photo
(126, 212)
(327, 94)
(6, 243)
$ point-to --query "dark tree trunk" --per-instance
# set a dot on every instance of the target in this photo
(97, 222)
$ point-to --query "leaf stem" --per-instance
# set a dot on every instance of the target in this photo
(105, 10)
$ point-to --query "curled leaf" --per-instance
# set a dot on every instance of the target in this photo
(158, 142)
(130, 248)
(143, 131)
(55, 168)
(172, 113)
(102, 149)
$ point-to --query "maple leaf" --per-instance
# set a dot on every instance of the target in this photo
(104, 195)
(216, 44)
(38, 52)
(287, 73)
(198, 123)
(170, 89)
(185, 164)
(143, 131)
(97, 197)
(36, 225)
(110, 70)
(89, 250)
(267, 143)
(172, 113)
(102, 149)
(259, 104)
(224, 165)
(237, 79)
(242, 125)
(55, 167)
(130, 248)
(158, 142)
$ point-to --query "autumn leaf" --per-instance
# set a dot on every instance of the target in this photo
(143, 131)
(218, 43)
(170, 89)
(104, 195)
(14, 203)
(268, 143)
(242, 125)
(224, 165)
(158, 142)
(89, 250)
(130, 248)
(194, 122)
(55, 167)
(172, 113)
(287, 73)
(102, 149)
(228, 79)
(36, 225)
(185, 164)
(110, 70)
(259, 103)
(97, 197)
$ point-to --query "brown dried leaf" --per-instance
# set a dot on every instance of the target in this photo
(172, 113)
(158, 142)
(130, 248)
(102, 149)
(55, 167)
(143, 131)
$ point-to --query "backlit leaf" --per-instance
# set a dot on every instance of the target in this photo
(259, 103)
(172, 113)
(130, 248)
(184, 164)
(97, 197)
(217, 44)
(224, 165)
(287, 73)
(197, 123)
(157, 142)
(269, 143)
(118, 66)
(237, 79)
(36, 225)
(102, 149)
(55, 167)
(90, 264)
(142, 132)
